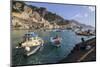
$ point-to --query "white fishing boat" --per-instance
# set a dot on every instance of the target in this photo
(32, 43)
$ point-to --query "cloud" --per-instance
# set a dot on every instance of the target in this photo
(79, 15)
(91, 8)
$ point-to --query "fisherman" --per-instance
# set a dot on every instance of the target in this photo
(56, 37)
(83, 45)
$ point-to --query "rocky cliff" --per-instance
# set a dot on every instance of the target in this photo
(31, 17)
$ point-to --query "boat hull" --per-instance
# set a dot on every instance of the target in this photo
(33, 50)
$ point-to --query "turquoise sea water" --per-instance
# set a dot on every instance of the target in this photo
(49, 53)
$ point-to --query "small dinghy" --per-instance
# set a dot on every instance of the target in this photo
(56, 41)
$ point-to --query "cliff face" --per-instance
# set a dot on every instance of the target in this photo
(27, 18)
(31, 17)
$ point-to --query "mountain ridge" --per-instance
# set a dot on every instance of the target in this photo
(33, 17)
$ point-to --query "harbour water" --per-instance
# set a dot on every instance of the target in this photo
(49, 53)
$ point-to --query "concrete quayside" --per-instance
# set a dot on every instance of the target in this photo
(82, 55)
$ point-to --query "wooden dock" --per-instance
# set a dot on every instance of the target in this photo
(78, 55)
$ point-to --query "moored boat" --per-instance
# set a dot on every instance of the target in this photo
(56, 41)
(31, 43)
(84, 33)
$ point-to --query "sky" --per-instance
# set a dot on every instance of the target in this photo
(83, 14)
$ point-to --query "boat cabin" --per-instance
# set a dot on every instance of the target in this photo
(30, 36)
